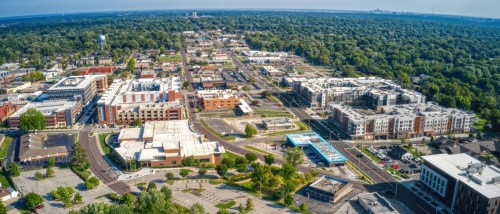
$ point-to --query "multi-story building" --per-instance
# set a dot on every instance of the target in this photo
(58, 113)
(166, 143)
(6, 110)
(215, 99)
(400, 121)
(106, 70)
(465, 184)
(105, 61)
(83, 87)
(140, 100)
(88, 60)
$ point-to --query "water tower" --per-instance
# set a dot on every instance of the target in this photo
(101, 42)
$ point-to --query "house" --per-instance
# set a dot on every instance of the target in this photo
(105, 61)
(400, 153)
(443, 142)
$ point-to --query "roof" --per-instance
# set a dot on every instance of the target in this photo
(329, 184)
(398, 150)
(461, 167)
(47, 108)
(33, 145)
(72, 82)
(319, 144)
(376, 203)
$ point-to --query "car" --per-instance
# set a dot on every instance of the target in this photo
(413, 166)
(40, 206)
(359, 155)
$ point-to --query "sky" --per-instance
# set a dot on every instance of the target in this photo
(478, 8)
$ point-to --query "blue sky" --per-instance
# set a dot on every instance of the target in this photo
(480, 8)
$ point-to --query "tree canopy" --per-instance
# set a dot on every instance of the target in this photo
(32, 119)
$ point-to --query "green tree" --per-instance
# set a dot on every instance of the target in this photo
(303, 207)
(14, 170)
(197, 208)
(186, 84)
(229, 162)
(39, 176)
(167, 193)
(78, 156)
(62, 192)
(184, 172)
(288, 200)
(250, 131)
(91, 183)
(131, 64)
(289, 171)
(202, 172)
(223, 211)
(251, 157)
(221, 170)
(3, 209)
(49, 172)
(32, 119)
(265, 93)
(51, 162)
(294, 156)
(169, 176)
(77, 199)
(31, 200)
(269, 159)
(93, 208)
(249, 205)
(151, 186)
(128, 199)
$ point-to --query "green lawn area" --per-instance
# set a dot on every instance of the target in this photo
(5, 146)
(230, 155)
(175, 58)
(257, 150)
(3, 180)
(283, 133)
(479, 124)
(226, 138)
(102, 138)
(371, 155)
(225, 205)
(273, 113)
(303, 69)
(302, 126)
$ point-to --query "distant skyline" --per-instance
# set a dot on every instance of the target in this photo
(477, 8)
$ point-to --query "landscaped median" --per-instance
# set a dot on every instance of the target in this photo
(367, 179)
(226, 138)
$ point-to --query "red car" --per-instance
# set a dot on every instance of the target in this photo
(395, 166)
(40, 206)
(381, 163)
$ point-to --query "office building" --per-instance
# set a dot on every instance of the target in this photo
(215, 99)
(465, 184)
(329, 189)
(278, 123)
(374, 203)
(166, 143)
(81, 87)
(58, 113)
(140, 100)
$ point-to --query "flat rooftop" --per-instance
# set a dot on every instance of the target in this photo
(463, 167)
(72, 82)
(376, 203)
(329, 184)
(47, 108)
(313, 139)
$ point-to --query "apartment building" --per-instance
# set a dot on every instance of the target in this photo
(6, 110)
(215, 99)
(465, 184)
(58, 113)
(400, 121)
(166, 143)
(140, 100)
(83, 87)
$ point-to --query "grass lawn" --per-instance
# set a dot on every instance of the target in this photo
(283, 133)
(257, 150)
(302, 126)
(5, 146)
(3, 180)
(225, 205)
(102, 140)
(371, 155)
(412, 150)
(230, 155)
(479, 124)
(273, 113)
(175, 58)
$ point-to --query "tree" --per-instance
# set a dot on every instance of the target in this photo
(31, 200)
(77, 199)
(221, 170)
(229, 162)
(151, 186)
(249, 205)
(131, 65)
(92, 182)
(197, 208)
(49, 172)
(184, 172)
(266, 94)
(251, 157)
(303, 207)
(202, 172)
(289, 171)
(167, 193)
(3, 209)
(128, 199)
(241, 209)
(14, 170)
(269, 159)
(78, 156)
(288, 200)
(241, 167)
(250, 131)
(32, 119)
(39, 176)
(294, 156)
(169, 176)
(62, 192)
(186, 84)
(51, 162)
(223, 211)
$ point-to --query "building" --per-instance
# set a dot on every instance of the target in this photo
(271, 71)
(6, 110)
(105, 70)
(245, 108)
(400, 153)
(83, 87)
(17, 86)
(330, 156)
(215, 99)
(8, 193)
(329, 189)
(37, 148)
(88, 60)
(101, 83)
(58, 113)
(278, 123)
(148, 74)
(400, 121)
(166, 143)
(140, 100)
(105, 61)
(101, 42)
(465, 184)
(374, 203)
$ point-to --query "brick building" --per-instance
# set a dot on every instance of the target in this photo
(6, 110)
(58, 113)
(215, 99)
(107, 70)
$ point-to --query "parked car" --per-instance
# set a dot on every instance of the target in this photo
(40, 206)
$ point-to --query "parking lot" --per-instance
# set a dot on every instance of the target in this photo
(27, 183)
(389, 159)
(221, 126)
